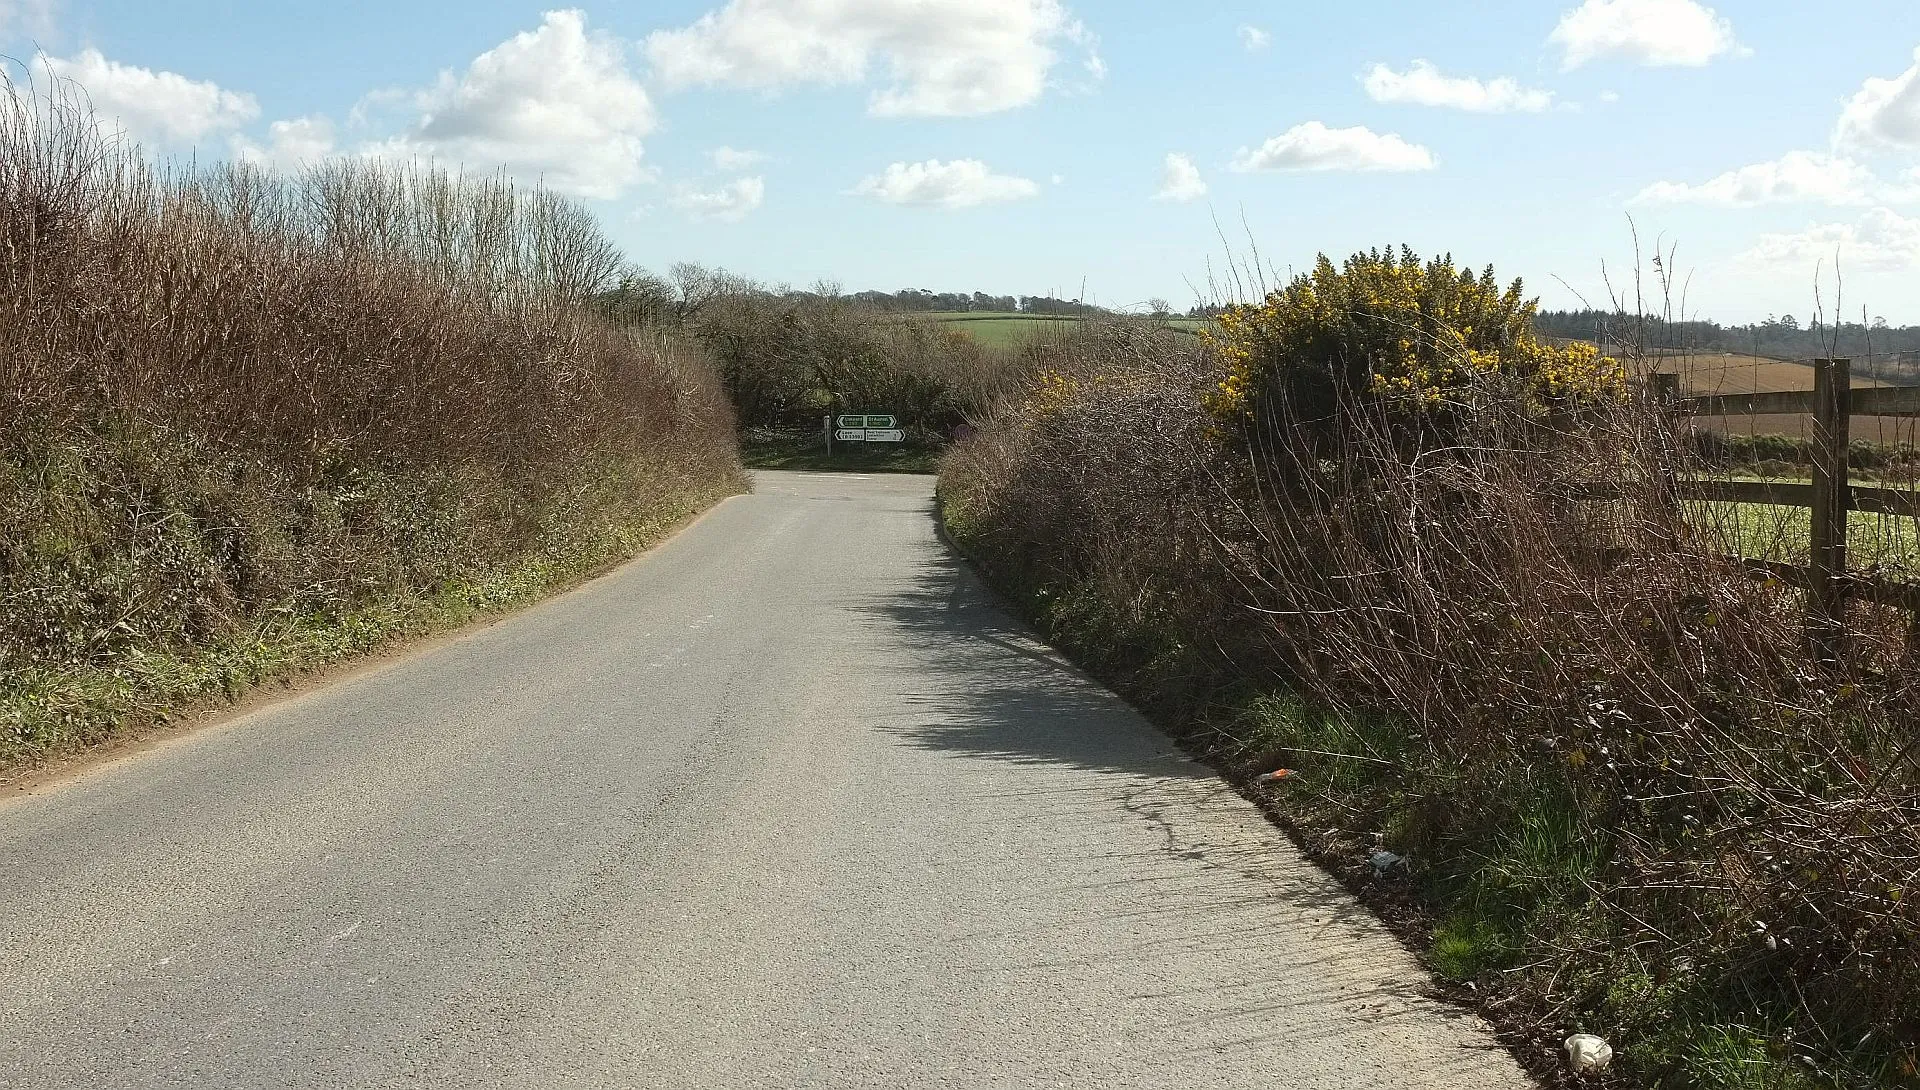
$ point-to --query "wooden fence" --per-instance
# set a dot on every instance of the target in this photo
(1831, 404)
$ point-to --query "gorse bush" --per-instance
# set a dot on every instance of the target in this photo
(231, 400)
(1415, 336)
(1636, 801)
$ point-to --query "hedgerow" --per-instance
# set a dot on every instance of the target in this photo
(1632, 798)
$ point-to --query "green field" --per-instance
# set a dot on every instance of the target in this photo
(1002, 329)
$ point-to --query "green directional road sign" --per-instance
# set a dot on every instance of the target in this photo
(861, 420)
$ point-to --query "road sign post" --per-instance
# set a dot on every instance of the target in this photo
(868, 428)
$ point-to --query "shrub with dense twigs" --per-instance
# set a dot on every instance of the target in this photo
(1633, 800)
(241, 407)
(791, 357)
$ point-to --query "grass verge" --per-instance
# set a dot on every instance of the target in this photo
(49, 712)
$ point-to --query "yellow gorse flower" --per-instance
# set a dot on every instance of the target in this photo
(1416, 333)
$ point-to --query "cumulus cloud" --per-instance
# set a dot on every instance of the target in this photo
(1882, 240)
(27, 16)
(1884, 113)
(730, 159)
(290, 146)
(962, 183)
(1798, 176)
(1424, 85)
(1254, 39)
(1656, 33)
(162, 108)
(555, 104)
(937, 58)
(1180, 180)
(1315, 147)
(731, 203)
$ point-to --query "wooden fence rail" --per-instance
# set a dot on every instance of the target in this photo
(1865, 401)
(1830, 496)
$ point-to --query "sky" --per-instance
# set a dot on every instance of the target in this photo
(1117, 151)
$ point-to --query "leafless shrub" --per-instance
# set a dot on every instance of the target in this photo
(1734, 825)
(224, 392)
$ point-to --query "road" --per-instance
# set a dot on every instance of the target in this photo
(787, 803)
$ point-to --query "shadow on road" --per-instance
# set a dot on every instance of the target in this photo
(1310, 970)
(984, 684)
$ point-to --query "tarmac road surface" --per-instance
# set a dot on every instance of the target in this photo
(789, 802)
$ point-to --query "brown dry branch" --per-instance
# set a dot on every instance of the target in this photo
(227, 395)
(1630, 785)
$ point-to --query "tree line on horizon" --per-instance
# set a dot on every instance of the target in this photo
(921, 300)
(687, 286)
(1778, 337)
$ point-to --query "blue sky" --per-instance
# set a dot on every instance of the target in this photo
(1022, 146)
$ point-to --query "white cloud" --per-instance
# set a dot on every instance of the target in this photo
(556, 104)
(1089, 42)
(1609, 97)
(725, 158)
(962, 183)
(163, 108)
(940, 58)
(291, 145)
(1254, 38)
(1795, 176)
(1180, 180)
(1651, 32)
(1884, 112)
(1882, 240)
(32, 17)
(1314, 146)
(731, 203)
(1423, 85)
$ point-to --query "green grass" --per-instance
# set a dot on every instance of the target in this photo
(46, 711)
(993, 329)
(1773, 532)
(805, 451)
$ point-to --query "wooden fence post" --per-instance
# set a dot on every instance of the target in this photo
(1666, 394)
(1666, 388)
(1827, 564)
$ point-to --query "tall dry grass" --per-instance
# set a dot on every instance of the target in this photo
(1635, 802)
(227, 395)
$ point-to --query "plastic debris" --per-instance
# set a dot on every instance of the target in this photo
(1276, 775)
(1384, 861)
(1588, 1053)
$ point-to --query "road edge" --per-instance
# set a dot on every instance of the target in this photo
(1410, 930)
(61, 770)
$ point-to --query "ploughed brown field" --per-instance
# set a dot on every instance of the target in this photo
(1716, 373)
